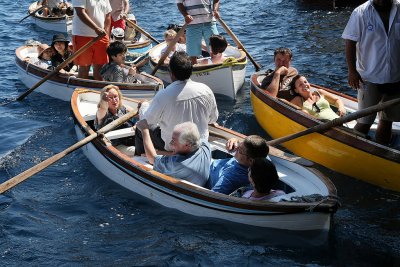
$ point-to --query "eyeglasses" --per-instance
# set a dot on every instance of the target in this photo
(317, 109)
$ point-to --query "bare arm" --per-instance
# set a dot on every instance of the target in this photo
(84, 17)
(107, 23)
(147, 143)
(126, 8)
(354, 77)
(184, 13)
(333, 100)
(216, 9)
(273, 87)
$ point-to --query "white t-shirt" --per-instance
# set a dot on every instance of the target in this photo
(178, 48)
(182, 101)
(97, 11)
(378, 53)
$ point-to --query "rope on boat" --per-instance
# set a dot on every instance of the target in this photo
(318, 198)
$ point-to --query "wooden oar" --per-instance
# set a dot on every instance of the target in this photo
(61, 66)
(37, 168)
(134, 25)
(238, 43)
(32, 13)
(336, 122)
(169, 49)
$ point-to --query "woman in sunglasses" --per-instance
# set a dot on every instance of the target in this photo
(316, 102)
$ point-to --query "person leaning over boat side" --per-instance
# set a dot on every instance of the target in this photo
(191, 156)
(263, 176)
(60, 45)
(120, 10)
(115, 70)
(277, 81)
(199, 16)
(182, 100)
(227, 175)
(92, 18)
(373, 60)
(218, 44)
(110, 108)
(316, 102)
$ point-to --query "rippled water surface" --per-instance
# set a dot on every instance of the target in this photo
(70, 214)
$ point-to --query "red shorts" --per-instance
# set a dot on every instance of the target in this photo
(96, 54)
(118, 24)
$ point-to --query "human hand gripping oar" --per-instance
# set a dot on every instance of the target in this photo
(238, 43)
(336, 122)
(134, 25)
(32, 13)
(61, 66)
(169, 48)
(44, 164)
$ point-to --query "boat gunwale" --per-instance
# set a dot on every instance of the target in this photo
(192, 191)
(335, 133)
(67, 81)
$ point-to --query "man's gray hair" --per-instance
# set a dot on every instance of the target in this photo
(189, 134)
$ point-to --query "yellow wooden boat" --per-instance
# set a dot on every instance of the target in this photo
(339, 148)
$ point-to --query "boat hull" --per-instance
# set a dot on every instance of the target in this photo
(337, 149)
(192, 199)
(223, 79)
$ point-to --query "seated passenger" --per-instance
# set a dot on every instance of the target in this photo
(262, 177)
(131, 34)
(190, 159)
(227, 175)
(316, 102)
(218, 44)
(276, 83)
(177, 28)
(53, 7)
(43, 60)
(169, 35)
(115, 70)
(109, 109)
(117, 34)
(60, 45)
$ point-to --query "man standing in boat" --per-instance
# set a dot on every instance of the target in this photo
(199, 15)
(372, 37)
(277, 82)
(182, 100)
(92, 18)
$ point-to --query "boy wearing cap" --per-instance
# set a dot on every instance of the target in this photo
(93, 18)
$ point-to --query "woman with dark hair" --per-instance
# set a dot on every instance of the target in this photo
(316, 102)
(60, 45)
(263, 177)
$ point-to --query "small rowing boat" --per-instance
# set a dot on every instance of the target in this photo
(223, 79)
(340, 148)
(61, 86)
(135, 174)
(62, 23)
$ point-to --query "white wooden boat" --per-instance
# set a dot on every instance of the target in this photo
(137, 175)
(58, 24)
(223, 79)
(61, 86)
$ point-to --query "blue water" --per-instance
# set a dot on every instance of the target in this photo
(71, 215)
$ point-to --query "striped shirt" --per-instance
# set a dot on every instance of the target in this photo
(200, 10)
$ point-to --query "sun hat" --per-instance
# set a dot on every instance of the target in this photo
(59, 38)
(41, 48)
(118, 32)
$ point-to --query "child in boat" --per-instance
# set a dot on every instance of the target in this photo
(218, 44)
(262, 177)
(60, 44)
(115, 70)
(43, 60)
(169, 35)
(315, 102)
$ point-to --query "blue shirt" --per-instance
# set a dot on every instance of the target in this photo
(193, 167)
(227, 175)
